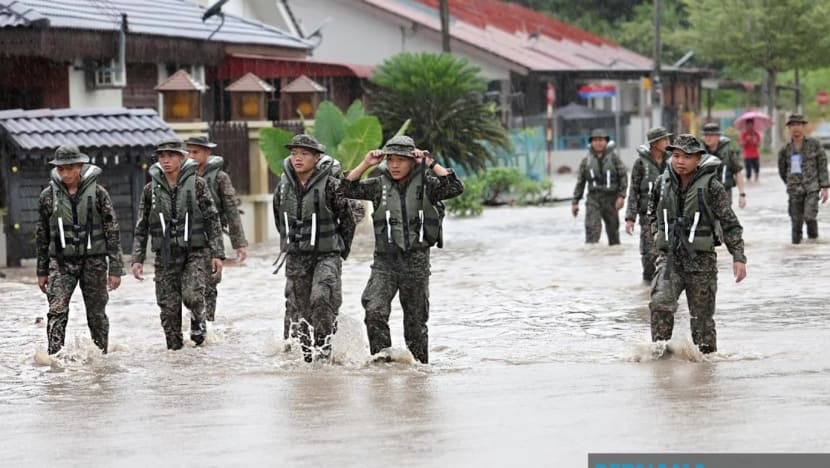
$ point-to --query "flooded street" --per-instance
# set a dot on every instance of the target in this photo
(539, 347)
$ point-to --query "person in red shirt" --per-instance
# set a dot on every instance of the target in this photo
(750, 141)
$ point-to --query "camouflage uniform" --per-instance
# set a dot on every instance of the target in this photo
(601, 200)
(180, 273)
(224, 197)
(313, 290)
(731, 161)
(803, 188)
(692, 270)
(65, 272)
(644, 173)
(397, 270)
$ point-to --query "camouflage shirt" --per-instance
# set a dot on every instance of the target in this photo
(342, 209)
(719, 203)
(730, 157)
(111, 231)
(583, 172)
(213, 228)
(228, 208)
(813, 167)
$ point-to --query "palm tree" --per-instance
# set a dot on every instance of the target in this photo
(442, 95)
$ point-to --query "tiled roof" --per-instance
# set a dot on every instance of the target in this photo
(45, 129)
(181, 81)
(303, 84)
(172, 18)
(249, 83)
(527, 38)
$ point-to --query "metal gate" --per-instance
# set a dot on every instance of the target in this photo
(233, 143)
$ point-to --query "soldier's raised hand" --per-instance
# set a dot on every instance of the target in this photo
(113, 283)
(41, 283)
(373, 157)
(138, 271)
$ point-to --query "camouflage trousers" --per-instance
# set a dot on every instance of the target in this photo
(803, 208)
(91, 273)
(405, 274)
(182, 280)
(210, 296)
(313, 294)
(599, 208)
(701, 288)
(648, 252)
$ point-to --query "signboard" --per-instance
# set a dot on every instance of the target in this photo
(708, 83)
(597, 91)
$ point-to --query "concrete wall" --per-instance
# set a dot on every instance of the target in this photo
(82, 98)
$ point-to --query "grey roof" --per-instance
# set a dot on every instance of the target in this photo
(46, 129)
(172, 18)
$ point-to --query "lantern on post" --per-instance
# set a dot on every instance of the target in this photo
(182, 97)
(248, 96)
(301, 96)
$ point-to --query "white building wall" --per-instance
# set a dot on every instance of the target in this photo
(82, 98)
(356, 33)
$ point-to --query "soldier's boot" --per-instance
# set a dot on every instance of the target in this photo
(707, 348)
(174, 339)
(812, 229)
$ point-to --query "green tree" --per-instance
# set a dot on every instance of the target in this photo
(442, 96)
(775, 35)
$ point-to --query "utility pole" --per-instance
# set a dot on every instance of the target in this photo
(798, 93)
(445, 25)
(656, 81)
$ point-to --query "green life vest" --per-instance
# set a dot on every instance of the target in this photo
(688, 217)
(651, 172)
(406, 218)
(601, 173)
(306, 222)
(725, 154)
(175, 214)
(213, 165)
(76, 225)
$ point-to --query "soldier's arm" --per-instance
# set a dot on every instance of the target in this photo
(622, 176)
(634, 191)
(653, 203)
(231, 210)
(821, 160)
(732, 230)
(341, 207)
(782, 164)
(736, 161)
(580, 181)
(366, 189)
(275, 205)
(443, 187)
(112, 232)
(142, 226)
(42, 232)
(212, 225)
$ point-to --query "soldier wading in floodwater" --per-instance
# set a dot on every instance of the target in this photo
(177, 211)
(685, 206)
(77, 242)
